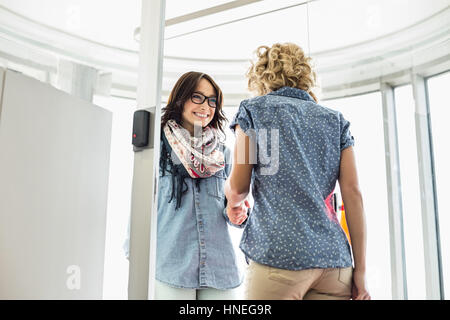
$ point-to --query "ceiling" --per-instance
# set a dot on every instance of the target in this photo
(355, 44)
(235, 33)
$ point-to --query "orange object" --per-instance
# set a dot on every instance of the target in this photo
(343, 223)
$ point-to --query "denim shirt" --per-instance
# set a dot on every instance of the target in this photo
(194, 248)
(291, 227)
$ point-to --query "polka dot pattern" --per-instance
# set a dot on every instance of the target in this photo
(290, 226)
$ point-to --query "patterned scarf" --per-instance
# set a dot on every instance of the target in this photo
(195, 157)
(200, 156)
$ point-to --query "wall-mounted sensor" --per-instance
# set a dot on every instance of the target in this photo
(141, 128)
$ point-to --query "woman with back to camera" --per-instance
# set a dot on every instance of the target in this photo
(195, 258)
(296, 247)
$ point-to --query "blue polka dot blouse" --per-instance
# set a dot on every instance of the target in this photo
(296, 167)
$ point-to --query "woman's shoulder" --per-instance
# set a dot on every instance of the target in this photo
(330, 113)
(223, 147)
(327, 109)
(253, 102)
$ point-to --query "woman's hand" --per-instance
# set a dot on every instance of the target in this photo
(359, 291)
(237, 215)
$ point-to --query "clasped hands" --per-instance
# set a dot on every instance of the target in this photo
(238, 215)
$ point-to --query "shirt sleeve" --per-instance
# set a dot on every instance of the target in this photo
(347, 139)
(243, 118)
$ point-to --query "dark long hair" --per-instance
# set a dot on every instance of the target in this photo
(182, 92)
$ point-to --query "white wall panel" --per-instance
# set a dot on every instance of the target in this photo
(54, 168)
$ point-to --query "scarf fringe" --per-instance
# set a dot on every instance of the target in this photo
(178, 173)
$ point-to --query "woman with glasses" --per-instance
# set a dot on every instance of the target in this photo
(293, 239)
(195, 257)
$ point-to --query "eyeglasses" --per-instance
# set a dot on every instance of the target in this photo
(199, 98)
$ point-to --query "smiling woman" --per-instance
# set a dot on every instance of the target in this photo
(195, 257)
(196, 112)
(186, 104)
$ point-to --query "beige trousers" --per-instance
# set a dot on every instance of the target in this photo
(268, 283)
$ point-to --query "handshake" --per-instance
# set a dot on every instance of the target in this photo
(238, 215)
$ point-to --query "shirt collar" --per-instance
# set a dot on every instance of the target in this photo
(293, 93)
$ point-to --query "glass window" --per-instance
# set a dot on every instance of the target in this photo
(238, 40)
(439, 97)
(366, 117)
(229, 114)
(410, 188)
(370, 19)
(115, 278)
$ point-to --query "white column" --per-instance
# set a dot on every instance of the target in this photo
(397, 248)
(433, 266)
(146, 162)
(77, 79)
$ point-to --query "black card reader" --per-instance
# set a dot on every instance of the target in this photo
(141, 128)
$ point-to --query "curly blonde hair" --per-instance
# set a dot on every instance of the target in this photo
(281, 65)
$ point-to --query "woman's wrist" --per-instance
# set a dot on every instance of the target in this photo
(359, 268)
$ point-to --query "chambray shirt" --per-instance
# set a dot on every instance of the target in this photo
(290, 226)
(194, 249)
